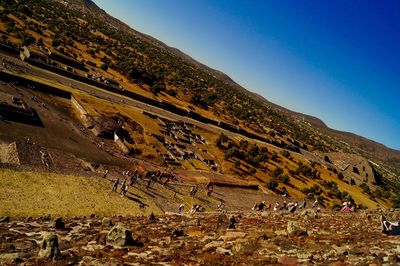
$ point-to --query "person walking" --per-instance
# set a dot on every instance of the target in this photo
(115, 185)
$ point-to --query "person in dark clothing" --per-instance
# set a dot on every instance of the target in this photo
(390, 228)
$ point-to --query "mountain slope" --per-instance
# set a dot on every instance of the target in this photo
(373, 148)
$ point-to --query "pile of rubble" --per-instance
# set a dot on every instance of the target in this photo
(201, 239)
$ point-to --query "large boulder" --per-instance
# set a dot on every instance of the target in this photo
(295, 229)
(49, 247)
(121, 236)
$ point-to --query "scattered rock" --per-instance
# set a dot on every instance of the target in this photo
(222, 222)
(121, 236)
(59, 223)
(213, 244)
(152, 217)
(7, 258)
(177, 233)
(231, 235)
(49, 246)
(106, 222)
(223, 251)
(309, 213)
(5, 219)
(285, 260)
(295, 229)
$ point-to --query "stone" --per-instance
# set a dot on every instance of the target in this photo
(49, 247)
(5, 219)
(59, 223)
(106, 222)
(223, 251)
(285, 260)
(177, 233)
(295, 229)
(47, 217)
(222, 222)
(152, 217)
(309, 213)
(231, 235)
(9, 258)
(213, 244)
(121, 236)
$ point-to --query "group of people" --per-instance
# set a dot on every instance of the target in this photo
(195, 188)
(134, 176)
(349, 206)
(284, 206)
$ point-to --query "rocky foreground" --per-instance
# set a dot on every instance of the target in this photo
(201, 239)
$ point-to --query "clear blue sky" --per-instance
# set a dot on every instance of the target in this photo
(337, 60)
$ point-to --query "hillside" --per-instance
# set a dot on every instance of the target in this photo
(372, 149)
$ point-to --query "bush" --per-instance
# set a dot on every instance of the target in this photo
(272, 185)
(253, 170)
(56, 42)
(285, 179)
(277, 172)
(237, 164)
(274, 156)
(221, 139)
(104, 66)
(286, 153)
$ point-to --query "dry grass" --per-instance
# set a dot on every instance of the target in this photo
(36, 194)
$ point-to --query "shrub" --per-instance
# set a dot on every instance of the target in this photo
(253, 170)
(285, 179)
(341, 176)
(237, 164)
(273, 184)
(104, 66)
(286, 153)
(274, 156)
(56, 42)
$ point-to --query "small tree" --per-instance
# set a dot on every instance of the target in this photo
(237, 164)
(286, 153)
(274, 156)
(341, 176)
(273, 184)
(56, 42)
(104, 66)
(285, 179)
(253, 170)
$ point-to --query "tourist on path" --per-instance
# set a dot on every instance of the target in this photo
(115, 185)
(123, 186)
(390, 228)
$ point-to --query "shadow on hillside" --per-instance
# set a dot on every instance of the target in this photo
(136, 200)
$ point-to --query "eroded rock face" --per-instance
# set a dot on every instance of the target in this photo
(49, 247)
